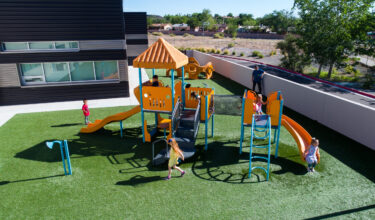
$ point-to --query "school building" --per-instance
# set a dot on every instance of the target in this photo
(63, 50)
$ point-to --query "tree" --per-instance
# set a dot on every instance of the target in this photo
(333, 30)
(230, 15)
(232, 29)
(278, 21)
(294, 56)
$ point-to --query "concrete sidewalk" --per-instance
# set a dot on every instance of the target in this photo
(7, 112)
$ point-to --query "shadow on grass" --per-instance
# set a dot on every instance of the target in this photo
(104, 142)
(345, 212)
(66, 125)
(31, 179)
(230, 85)
(139, 180)
(211, 165)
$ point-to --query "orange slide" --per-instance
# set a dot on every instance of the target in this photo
(92, 127)
(300, 135)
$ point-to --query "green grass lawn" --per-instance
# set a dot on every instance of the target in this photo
(112, 177)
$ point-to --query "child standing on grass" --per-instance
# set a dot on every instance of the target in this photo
(174, 153)
(86, 111)
(311, 155)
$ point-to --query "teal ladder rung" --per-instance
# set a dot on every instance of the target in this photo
(267, 128)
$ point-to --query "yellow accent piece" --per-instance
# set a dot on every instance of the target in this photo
(92, 127)
(194, 69)
(210, 100)
(161, 55)
(300, 135)
(146, 133)
(157, 98)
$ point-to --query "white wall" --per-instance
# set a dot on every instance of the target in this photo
(351, 119)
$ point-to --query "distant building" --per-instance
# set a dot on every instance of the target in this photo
(221, 27)
(181, 27)
(160, 27)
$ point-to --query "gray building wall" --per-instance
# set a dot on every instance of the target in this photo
(9, 75)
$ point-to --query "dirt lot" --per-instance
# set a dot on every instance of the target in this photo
(240, 44)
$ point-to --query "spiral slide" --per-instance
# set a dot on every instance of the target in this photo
(300, 135)
(92, 127)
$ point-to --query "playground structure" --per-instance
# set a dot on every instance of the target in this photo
(194, 69)
(188, 107)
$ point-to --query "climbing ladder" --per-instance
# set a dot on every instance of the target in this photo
(261, 124)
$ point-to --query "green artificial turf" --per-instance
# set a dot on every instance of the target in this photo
(112, 177)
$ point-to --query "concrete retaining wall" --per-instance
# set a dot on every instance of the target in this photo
(351, 119)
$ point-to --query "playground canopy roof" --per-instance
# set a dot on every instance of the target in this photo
(161, 55)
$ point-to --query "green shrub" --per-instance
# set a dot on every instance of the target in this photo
(157, 33)
(203, 50)
(226, 52)
(234, 53)
(188, 48)
(260, 56)
(242, 54)
(255, 53)
(218, 51)
(273, 52)
(218, 35)
(172, 35)
(230, 45)
(369, 83)
(212, 50)
(188, 35)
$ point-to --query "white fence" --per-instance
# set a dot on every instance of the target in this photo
(351, 119)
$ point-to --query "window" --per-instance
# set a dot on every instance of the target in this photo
(68, 72)
(42, 45)
(15, 46)
(81, 71)
(56, 72)
(32, 73)
(106, 70)
(66, 44)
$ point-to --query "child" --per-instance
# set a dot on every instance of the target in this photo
(155, 81)
(174, 153)
(258, 104)
(86, 111)
(311, 155)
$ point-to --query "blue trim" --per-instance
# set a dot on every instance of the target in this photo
(67, 156)
(153, 72)
(183, 87)
(121, 129)
(141, 100)
(62, 157)
(156, 119)
(279, 127)
(242, 119)
(206, 124)
(172, 72)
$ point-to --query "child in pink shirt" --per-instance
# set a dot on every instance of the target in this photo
(86, 111)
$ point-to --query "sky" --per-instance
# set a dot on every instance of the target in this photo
(221, 7)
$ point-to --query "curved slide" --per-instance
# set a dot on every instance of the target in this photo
(300, 135)
(92, 127)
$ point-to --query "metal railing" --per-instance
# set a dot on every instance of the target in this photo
(176, 115)
(197, 118)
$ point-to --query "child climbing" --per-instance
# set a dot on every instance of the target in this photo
(174, 154)
(258, 104)
(311, 155)
(86, 111)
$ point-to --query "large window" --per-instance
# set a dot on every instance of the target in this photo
(68, 72)
(42, 45)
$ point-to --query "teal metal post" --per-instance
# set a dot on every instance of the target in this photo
(206, 124)
(62, 157)
(279, 126)
(183, 87)
(153, 72)
(213, 117)
(67, 156)
(121, 129)
(141, 100)
(172, 72)
(242, 119)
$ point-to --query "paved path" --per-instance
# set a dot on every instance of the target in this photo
(7, 112)
(358, 98)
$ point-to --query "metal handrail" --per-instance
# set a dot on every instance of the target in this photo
(197, 118)
(176, 115)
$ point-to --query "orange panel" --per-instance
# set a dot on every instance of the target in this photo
(210, 100)
(273, 109)
(191, 102)
(157, 98)
(248, 111)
